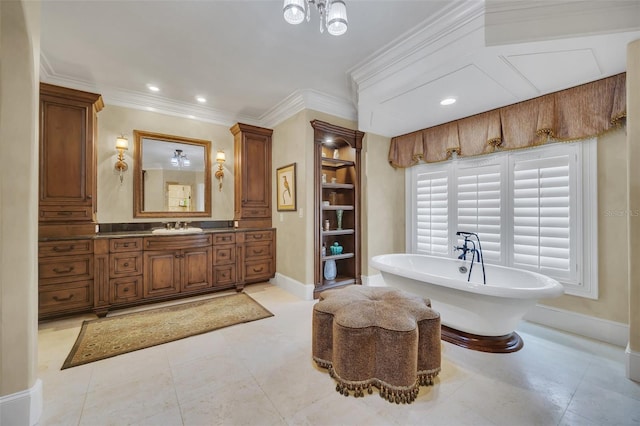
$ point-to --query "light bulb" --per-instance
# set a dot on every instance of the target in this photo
(337, 18)
(294, 11)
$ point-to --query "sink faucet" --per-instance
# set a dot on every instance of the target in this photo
(476, 253)
(177, 225)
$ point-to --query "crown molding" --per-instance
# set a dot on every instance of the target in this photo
(292, 104)
(416, 43)
(143, 101)
(308, 99)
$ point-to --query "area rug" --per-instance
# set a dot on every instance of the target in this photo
(107, 337)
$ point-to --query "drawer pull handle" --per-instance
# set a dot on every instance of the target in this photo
(63, 271)
(62, 299)
(258, 270)
(125, 245)
(257, 251)
(125, 290)
(226, 238)
(257, 237)
(65, 213)
(126, 264)
(62, 249)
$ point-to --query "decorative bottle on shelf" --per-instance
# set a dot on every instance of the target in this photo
(336, 248)
(339, 213)
(330, 270)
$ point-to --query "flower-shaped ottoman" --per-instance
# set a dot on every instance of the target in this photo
(377, 336)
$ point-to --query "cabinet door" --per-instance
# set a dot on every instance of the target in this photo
(161, 273)
(252, 174)
(66, 159)
(197, 268)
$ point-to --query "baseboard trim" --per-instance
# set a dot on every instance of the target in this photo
(295, 287)
(632, 364)
(612, 332)
(22, 408)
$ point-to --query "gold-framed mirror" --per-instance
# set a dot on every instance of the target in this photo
(172, 176)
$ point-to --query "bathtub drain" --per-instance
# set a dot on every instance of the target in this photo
(463, 269)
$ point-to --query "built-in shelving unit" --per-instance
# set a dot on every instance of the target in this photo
(337, 188)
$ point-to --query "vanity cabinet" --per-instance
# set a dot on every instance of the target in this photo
(252, 175)
(259, 255)
(65, 277)
(177, 264)
(103, 273)
(337, 152)
(125, 270)
(67, 182)
(224, 260)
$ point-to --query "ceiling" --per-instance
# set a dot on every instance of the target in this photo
(389, 71)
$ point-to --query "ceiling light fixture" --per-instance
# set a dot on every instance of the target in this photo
(153, 88)
(201, 99)
(333, 14)
(448, 101)
(179, 159)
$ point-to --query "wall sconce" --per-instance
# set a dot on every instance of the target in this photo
(220, 159)
(122, 144)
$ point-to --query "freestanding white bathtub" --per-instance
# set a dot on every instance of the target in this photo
(490, 311)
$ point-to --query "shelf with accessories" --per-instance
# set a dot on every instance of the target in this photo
(337, 206)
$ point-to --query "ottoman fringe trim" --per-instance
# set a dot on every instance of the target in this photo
(425, 377)
(392, 393)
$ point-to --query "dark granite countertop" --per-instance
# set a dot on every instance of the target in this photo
(145, 229)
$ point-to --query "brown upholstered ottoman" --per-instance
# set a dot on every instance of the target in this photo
(377, 336)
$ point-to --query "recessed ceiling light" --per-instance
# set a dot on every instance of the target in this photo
(191, 116)
(448, 101)
(201, 99)
(150, 108)
(153, 88)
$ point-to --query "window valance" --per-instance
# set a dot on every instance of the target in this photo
(580, 112)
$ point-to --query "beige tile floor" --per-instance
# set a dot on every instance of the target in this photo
(261, 373)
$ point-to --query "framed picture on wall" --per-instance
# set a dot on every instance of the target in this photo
(286, 188)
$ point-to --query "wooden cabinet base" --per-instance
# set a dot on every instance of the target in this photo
(103, 274)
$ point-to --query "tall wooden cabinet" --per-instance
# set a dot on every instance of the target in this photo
(337, 192)
(67, 161)
(252, 175)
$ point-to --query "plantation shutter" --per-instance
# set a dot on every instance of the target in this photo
(544, 225)
(479, 207)
(432, 213)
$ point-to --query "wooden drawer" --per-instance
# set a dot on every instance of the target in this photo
(65, 214)
(258, 250)
(174, 242)
(65, 267)
(117, 245)
(64, 247)
(125, 264)
(223, 255)
(256, 212)
(252, 236)
(123, 290)
(63, 297)
(258, 270)
(224, 238)
(224, 275)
